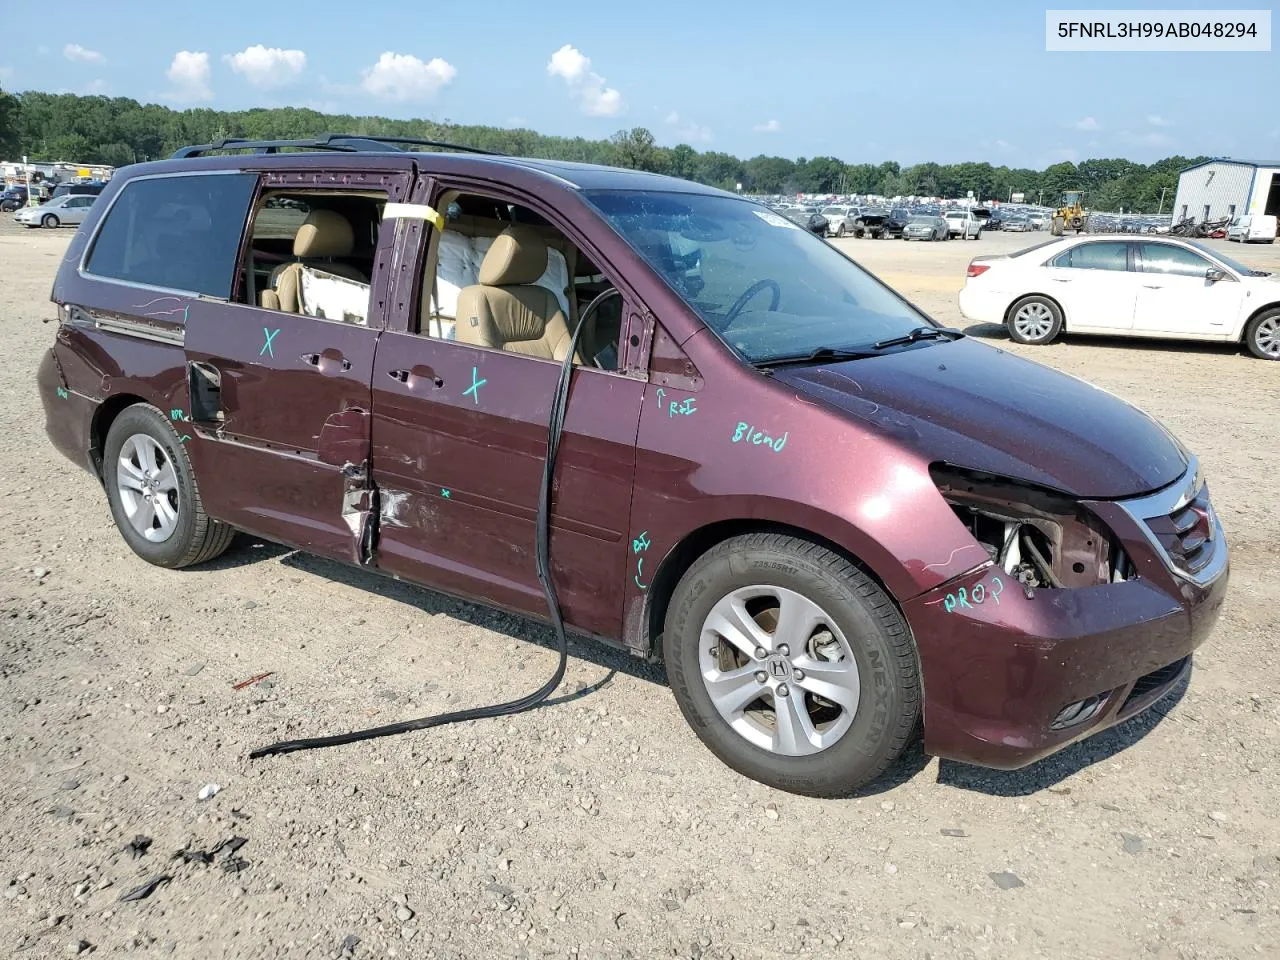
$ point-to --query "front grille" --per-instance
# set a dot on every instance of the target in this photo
(1186, 535)
(1154, 681)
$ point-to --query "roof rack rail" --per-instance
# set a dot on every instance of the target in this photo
(339, 142)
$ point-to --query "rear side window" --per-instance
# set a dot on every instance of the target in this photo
(1095, 256)
(180, 233)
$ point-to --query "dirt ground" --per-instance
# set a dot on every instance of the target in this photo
(598, 827)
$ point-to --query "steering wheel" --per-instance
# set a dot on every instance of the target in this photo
(589, 322)
(751, 292)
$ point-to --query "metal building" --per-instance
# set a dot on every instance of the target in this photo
(1225, 188)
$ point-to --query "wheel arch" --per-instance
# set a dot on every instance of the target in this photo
(698, 541)
(1008, 311)
(103, 417)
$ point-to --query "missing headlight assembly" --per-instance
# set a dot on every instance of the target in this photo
(1041, 539)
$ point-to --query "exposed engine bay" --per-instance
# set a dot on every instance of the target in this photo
(1041, 539)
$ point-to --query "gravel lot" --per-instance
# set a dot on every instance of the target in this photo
(598, 827)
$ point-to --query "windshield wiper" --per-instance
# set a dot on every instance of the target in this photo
(819, 355)
(919, 333)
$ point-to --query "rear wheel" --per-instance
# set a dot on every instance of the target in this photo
(792, 665)
(1034, 320)
(1262, 335)
(1057, 226)
(153, 494)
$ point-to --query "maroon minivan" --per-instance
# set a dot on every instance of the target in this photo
(833, 519)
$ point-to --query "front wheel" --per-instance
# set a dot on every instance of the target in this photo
(153, 494)
(49, 220)
(1034, 320)
(1262, 335)
(792, 665)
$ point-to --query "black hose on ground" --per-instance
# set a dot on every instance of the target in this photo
(542, 553)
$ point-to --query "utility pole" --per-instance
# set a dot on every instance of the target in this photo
(1161, 210)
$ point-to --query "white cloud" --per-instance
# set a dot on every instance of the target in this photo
(189, 73)
(687, 130)
(267, 66)
(73, 51)
(1088, 123)
(1158, 121)
(96, 88)
(769, 126)
(586, 86)
(402, 76)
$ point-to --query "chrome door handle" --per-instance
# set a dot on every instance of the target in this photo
(311, 358)
(1061, 279)
(401, 375)
(1152, 286)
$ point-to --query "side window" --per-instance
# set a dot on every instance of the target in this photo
(312, 252)
(1165, 258)
(181, 233)
(1095, 256)
(500, 276)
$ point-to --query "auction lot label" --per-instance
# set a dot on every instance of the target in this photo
(1138, 31)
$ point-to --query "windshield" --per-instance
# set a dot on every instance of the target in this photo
(833, 212)
(766, 287)
(921, 218)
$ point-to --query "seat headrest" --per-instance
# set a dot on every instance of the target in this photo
(518, 256)
(324, 234)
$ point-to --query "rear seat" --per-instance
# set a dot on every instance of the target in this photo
(458, 253)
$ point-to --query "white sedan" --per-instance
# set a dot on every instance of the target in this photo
(1125, 287)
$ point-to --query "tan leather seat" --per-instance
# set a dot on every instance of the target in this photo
(506, 310)
(323, 236)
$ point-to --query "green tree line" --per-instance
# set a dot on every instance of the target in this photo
(120, 131)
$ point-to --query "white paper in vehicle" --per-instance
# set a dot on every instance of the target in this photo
(771, 218)
(331, 297)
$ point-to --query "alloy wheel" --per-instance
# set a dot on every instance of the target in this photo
(148, 486)
(1267, 336)
(1033, 321)
(778, 670)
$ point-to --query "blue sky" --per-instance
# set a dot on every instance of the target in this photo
(901, 81)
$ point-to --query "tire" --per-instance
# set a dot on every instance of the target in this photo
(1262, 335)
(143, 437)
(857, 625)
(842, 230)
(1057, 226)
(49, 221)
(1034, 320)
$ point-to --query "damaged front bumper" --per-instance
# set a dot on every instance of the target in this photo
(1014, 671)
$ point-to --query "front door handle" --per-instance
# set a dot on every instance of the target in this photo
(311, 358)
(327, 362)
(1061, 279)
(401, 375)
(1152, 286)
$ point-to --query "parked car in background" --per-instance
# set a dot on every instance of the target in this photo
(1118, 286)
(896, 221)
(963, 224)
(869, 222)
(13, 199)
(983, 215)
(70, 210)
(1252, 228)
(914, 528)
(839, 220)
(924, 227)
(995, 221)
(1038, 221)
(88, 188)
(1016, 223)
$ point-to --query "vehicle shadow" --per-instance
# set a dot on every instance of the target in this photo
(247, 550)
(1053, 770)
(995, 331)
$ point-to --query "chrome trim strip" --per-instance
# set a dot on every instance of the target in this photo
(1167, 501)
(140, 330)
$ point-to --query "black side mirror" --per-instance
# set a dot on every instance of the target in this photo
(1213, 275)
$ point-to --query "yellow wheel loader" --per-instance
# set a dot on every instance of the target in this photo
(1070, 215)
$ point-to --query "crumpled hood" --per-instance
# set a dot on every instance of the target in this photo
(986, 409)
